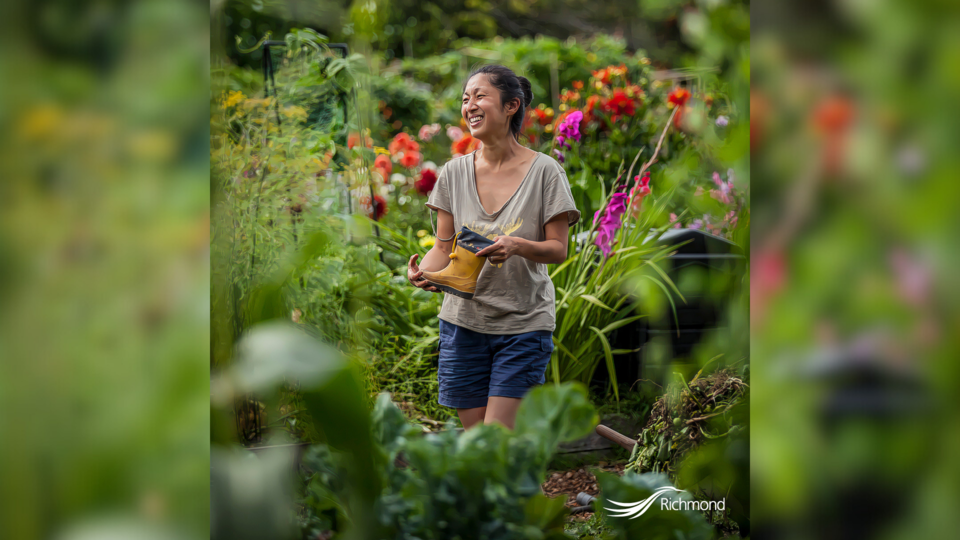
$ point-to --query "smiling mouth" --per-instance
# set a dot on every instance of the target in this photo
(475, 120)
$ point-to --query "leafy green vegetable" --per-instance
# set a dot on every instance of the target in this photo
(482, 483)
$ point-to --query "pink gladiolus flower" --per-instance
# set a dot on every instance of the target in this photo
(610, 223)
(559, 155)
(696, 224)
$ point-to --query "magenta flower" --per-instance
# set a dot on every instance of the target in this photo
(610, 223)
(559, 155)
(569, 129)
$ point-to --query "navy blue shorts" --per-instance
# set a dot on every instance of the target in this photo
(475, 366)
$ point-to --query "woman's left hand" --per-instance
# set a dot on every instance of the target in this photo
(502, 249)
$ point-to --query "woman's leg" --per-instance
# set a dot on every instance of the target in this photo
(471, 417)
(502, 409)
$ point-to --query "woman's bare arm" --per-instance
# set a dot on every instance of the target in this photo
(437, 258)
(439, 255)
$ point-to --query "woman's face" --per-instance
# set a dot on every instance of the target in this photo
(486, 118)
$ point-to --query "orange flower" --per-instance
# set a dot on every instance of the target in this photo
(410, 159)
(759, 112)
(465, 145)
(833, 115)
(606, 74)
(542, 117)
(678, 97)
(353, 140)
(578, 85)
(403, 143)
(832, 118)
(678, 118)
(383, 165)
(602, 75)
(634, 91)
(568, 95)
(593, 103)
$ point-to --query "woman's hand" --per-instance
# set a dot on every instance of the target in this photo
(415, 276)
(502, 249)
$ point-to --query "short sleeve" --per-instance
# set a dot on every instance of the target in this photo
(439, 198)
(558, 198)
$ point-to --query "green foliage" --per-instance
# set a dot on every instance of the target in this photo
(594, 294)
(268, 356)
(483, 483)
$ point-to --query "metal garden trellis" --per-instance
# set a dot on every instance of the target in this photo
(269, 82)
(247, 408)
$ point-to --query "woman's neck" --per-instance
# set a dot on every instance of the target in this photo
(498, 152)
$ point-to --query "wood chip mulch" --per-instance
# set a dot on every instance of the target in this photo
(569, 483)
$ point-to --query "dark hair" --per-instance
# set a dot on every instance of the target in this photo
(511, 87)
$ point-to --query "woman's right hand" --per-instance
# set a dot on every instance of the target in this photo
(415, 276)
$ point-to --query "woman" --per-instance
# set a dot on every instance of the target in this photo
(496, 345)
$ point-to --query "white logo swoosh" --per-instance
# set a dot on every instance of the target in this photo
(637, 509)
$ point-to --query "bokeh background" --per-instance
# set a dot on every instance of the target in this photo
(104, 269)
(854, 289)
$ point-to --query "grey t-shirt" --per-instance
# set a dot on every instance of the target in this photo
(516, 296)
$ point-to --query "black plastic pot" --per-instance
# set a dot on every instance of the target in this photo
(715, 258)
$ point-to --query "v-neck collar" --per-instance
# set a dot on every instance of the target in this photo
(476, 191)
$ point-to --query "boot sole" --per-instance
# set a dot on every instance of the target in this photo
(451, 290)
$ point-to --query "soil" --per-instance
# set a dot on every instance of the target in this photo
(571, 482)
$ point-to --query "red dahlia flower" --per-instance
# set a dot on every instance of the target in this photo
(620, 104)
(425, 184)
(380, 207)
(679, 97)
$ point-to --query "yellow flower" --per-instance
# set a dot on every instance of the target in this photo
(542, 106)
(598, 84)
(421, 233)
(549, 111)
(233, 98)
(656, 84)
(261, 102)
(381, 150)
(563, 107)
(428, 241)
(294, 111)
(548, 128)
(41, 121)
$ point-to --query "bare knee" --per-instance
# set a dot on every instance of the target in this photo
(471, 417)
(502, 410)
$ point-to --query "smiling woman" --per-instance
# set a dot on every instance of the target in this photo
(513, 207)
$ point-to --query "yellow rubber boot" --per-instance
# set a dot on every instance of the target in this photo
(460, 276)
